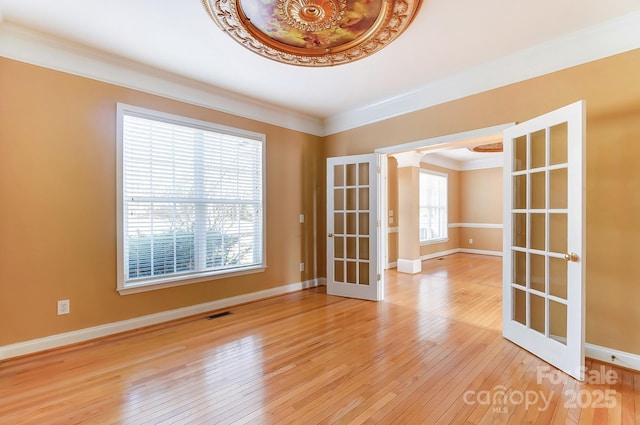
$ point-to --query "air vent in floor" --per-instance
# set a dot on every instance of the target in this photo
(216, 315)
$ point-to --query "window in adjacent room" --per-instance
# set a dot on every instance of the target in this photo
(433, 207)
(190, 200)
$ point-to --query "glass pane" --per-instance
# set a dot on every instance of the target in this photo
(520, 268)
(558, 134)
(538, 234)
(538, 190)
(363, 252)
(520, 192)
(558, 185)
(338, 271)
(338, 223)
(351, 174)
(338, 175)
(363, 198)
(520, 153)
(558, 233)
(538, 149)
(351, 248)
(558, 321)
(363, 176)
(537, 272)
(351, 272)
(558, 277)
(338, 247)
(338, 199)
(519, 306)
(351, 199)
(363, 275)
(538, 315)
(363, 224)
(520, 230)
(351, 223)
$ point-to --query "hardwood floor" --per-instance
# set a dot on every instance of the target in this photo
(432, 352)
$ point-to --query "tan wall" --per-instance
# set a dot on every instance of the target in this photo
(613, 229)
(481, 203)
(57, 192)
(612, 92)
(481, 196)
(58, 204)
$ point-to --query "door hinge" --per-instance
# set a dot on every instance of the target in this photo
(378, 224)
(378, 168)
(379, 277)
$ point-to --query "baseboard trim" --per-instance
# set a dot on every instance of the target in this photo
(449, 252)
(82, 335)
(481, 252)
(615, 357)
(439, 254)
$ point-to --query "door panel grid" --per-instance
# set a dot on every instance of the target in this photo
(543, 222)
(352, 240)
(351, 223)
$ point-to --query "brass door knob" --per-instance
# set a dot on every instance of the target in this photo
(330, 235)
(573, 257)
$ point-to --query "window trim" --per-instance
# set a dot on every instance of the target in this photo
(424, 242)
(162, 282)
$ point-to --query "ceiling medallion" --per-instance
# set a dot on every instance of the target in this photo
(313, 32)
(489, 147)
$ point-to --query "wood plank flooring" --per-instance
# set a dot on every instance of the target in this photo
(431, 353)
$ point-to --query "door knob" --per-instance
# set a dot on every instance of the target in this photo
(573, 257)
(330, 235)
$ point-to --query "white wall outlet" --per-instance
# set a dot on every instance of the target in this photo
(470, 241)
(301, 267)
(301, 218)
(64, 307)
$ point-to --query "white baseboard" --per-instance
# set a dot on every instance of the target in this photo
(409, 266)
(81, 335)
(609, 355)
(449, 252)
(481, 252)
(439, 254)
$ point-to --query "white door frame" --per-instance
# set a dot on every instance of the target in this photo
(430, 145)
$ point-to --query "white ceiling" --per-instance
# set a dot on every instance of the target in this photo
(448, 39)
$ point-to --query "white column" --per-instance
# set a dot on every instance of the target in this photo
(409, 211)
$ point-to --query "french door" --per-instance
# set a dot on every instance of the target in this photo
(352, 228)
(543, 263)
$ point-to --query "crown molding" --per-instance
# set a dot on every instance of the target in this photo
(24, 45)
(609, 38)
(612, 37)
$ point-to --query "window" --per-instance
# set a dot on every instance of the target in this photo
(190, 200)
(433, 207)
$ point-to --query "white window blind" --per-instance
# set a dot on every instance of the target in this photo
(192, 198)
(433, 207)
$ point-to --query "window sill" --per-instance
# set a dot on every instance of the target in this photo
(434, 241)
(160, 283)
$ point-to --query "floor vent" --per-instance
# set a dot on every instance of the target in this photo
(216, 315)
(441, 258)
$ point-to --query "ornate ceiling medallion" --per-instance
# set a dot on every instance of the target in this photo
(313, 32)
(489, 147)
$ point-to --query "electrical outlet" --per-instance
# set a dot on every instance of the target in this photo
(301, 267)
(470, 241)
(301, 218)
(63, 307)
